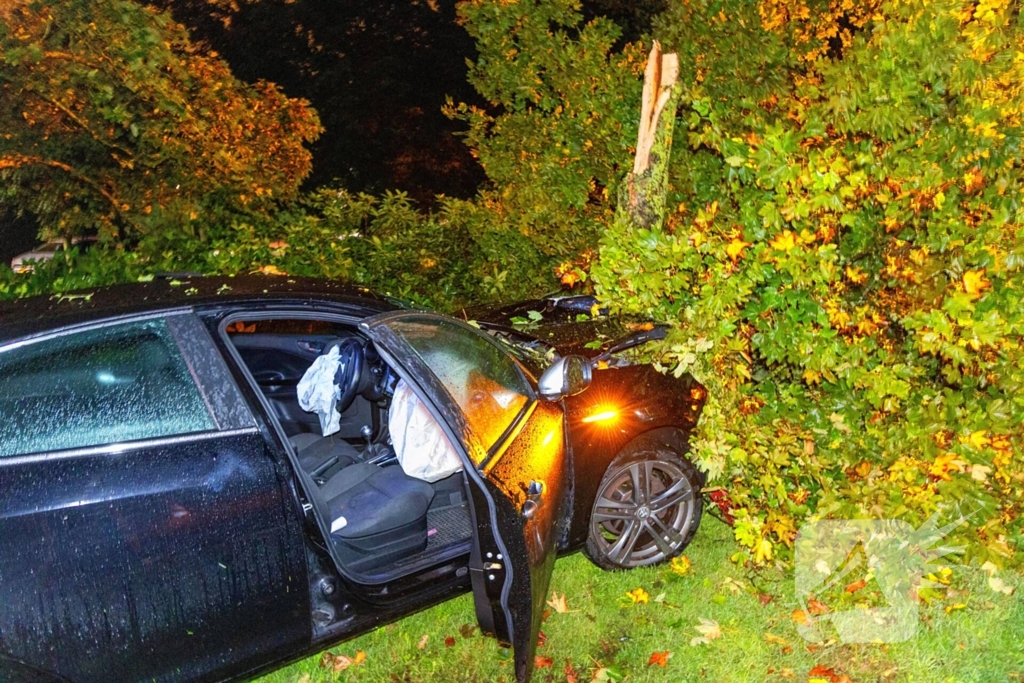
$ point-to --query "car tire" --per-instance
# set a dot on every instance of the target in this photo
(627, 531)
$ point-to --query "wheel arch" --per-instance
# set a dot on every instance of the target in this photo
(673, 436)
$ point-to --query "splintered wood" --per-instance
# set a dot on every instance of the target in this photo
(660, 77)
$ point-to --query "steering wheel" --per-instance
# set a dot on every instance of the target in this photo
(350, 351)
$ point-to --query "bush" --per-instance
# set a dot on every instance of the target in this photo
(845, 261)
(458, 255)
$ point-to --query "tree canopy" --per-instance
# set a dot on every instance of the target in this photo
(114, 122)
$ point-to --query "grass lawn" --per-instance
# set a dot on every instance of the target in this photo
(972, 633)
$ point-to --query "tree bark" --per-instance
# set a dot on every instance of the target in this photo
(643, 192)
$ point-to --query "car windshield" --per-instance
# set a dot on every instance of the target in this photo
(49, 247)
(482, 378)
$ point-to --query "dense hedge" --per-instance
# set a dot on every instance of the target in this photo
(457, 255)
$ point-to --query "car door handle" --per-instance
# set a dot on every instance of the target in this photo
(534, 498)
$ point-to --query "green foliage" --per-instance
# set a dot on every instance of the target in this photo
(845, 264)
(453, 257)
(553, 151)
(114, 122)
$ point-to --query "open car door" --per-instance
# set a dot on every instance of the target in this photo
(513, 447)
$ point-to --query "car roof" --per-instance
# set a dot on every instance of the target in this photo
(36, 315)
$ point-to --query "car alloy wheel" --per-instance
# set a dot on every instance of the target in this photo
(647, 509)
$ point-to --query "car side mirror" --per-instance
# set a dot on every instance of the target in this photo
(568, 376)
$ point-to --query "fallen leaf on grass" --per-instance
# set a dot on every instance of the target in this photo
(826, 674)
(423, 642)
(709, 630)
(772, 638)
(732, 585)
(659, 658)
(571, 676)
(557, 603)
(338, 663)
(467, 630)
(855, 586)
(449, 641)
(606, 675)
(764, 599)
(543, 662)
(999, 586)
(638, 596)
(542, 638)
(799, 616)
(681, 565)
(816, 607)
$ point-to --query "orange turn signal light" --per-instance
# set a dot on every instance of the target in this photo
(601, 415)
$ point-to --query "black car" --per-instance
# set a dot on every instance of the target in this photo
(169, 512)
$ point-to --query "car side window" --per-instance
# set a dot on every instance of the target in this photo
(485, 382)
(101, 386)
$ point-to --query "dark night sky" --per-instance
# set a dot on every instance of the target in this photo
(377, 72)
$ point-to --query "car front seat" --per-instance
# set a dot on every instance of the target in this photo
(378, 515)
(317, 454)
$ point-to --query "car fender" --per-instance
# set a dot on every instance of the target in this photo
(648, 405)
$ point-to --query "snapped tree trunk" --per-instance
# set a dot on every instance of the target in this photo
(643, 192)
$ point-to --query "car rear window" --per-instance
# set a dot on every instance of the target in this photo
(101, 386)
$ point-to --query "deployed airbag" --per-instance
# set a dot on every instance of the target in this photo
(319, 393)
(422, 448)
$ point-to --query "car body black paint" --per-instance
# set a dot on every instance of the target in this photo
(194, 559)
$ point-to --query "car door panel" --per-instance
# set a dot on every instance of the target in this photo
(175, 557)
(530, 484)
(162, 562)
(519, 495)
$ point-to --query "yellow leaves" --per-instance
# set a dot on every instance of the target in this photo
(856, 275)
(271, 270)
(638, 596)
(706, 216)
(708, 629)
(946, 463)
(979, 439)
(681, 565)
(763, 551)
(989, 11)
(735, 248)
(939, 200)
(975, 282)
(784, 242)
(973, 180)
